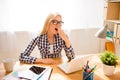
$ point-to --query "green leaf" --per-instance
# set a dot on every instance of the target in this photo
(109, 58)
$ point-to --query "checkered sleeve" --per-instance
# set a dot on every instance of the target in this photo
(69, 51)
(25, 56)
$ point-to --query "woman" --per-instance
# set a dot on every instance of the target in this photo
(50, 42)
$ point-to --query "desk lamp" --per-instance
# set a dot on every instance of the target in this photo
(104, 33)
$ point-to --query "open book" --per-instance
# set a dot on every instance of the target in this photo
(27, 72)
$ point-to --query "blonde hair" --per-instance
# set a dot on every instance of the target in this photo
(50, 17)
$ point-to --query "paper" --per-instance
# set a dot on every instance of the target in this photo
(46, 75)
(25, 73)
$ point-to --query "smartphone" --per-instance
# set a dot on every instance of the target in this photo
(37, 69)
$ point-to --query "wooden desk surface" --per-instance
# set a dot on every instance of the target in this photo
(57, 74)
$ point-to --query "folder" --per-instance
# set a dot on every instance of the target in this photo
(110, 46)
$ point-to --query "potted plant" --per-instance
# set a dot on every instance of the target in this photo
(109, 60)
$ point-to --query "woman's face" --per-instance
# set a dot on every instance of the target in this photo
(55, 24)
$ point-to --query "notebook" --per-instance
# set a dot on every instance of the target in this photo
(27, 72)
(74, 65)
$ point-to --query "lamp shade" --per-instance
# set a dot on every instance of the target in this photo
(102, 32)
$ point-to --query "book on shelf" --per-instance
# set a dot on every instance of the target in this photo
(27, 72)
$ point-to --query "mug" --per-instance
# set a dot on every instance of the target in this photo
(8, 64)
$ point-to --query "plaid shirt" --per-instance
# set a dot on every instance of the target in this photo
(44, 46)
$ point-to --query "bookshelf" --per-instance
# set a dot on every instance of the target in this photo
(116, 29)
(112, 19)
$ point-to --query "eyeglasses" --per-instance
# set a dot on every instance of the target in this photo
(56, 22)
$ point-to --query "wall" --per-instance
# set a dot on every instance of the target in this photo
(12, 44)
(84, 41)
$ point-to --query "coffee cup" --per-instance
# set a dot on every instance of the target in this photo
(9, 64)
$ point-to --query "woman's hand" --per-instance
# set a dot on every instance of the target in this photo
(45, 61)
(64, 37)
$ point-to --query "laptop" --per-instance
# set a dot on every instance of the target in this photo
(74, 65)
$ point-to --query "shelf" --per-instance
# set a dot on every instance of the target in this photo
(116, 30)
(110, 39)
(113, 0)
(114, 21)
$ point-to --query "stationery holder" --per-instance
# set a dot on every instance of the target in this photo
(87, 76)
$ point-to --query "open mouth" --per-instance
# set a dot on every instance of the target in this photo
(56, 29)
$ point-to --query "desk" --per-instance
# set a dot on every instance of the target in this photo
(57, 74)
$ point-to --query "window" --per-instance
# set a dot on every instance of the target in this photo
(17, 15)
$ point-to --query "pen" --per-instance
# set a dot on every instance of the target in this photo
(24, 78)
(88, 71)
(93, 68)
(87, 66)
(84, 68)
